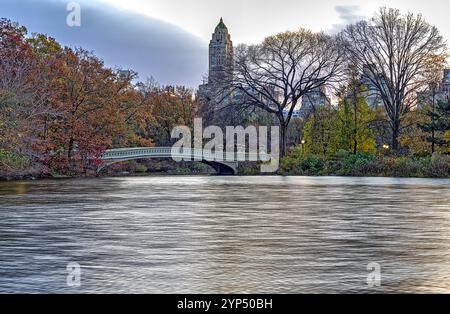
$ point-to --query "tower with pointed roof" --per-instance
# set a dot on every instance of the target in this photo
(220, 54)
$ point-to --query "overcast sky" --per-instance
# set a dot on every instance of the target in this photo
(167, 39)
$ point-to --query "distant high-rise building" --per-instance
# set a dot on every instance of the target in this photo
(310, 102)
(371, 94)
(313, 100)
(438, 92)
(445, 88)
(221, 59)
(220, 54)
(221, 63)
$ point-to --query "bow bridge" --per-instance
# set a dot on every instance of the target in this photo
(222, 167)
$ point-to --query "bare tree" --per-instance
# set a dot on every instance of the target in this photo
(396, 53)
(275, 74)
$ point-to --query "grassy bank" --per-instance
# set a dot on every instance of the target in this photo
(296, 163)
(365, 164)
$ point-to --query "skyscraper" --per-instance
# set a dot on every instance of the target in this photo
(220, 63)
(220, 54)
(436, 92)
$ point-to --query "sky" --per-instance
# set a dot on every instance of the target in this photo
(168, 39)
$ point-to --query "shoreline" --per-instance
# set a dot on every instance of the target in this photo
(32, 179)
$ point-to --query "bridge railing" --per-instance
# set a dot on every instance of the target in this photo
(182, 153)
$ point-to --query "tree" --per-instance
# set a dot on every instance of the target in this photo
(396, 52)
(413, 137)
(136, 105)
(320, 132)
(275, 74)
(87, 102)
(16, 70)
(438, 125)
(355, 118)
(21, 100)
(434, 79)
(171, 106)
(60, 108)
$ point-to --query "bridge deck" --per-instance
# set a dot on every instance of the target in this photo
(186, 154)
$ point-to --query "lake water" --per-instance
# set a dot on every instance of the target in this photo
(225, 235)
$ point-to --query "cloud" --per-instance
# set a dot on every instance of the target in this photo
(348, 14)
(122, 38)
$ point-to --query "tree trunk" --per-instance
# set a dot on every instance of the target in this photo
(283, 138)
(355, 121)
(70, 155)
(432, 142)
(395, 135)
(355, 132)
(432, 123)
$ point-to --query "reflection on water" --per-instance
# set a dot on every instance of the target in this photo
(225, 234)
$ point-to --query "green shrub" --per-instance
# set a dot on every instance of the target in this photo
(290, 164)
(366, 164)
(377, 167)
(313, 165)
(352, 164)
(342, 153)
(183, 171)
(12, 161)
(422, 154)
(406, 167)
(439, 166)
(249, 171)
(139, 168)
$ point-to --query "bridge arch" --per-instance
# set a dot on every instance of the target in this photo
(113, 156)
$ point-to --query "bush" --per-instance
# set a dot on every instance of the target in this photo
(407, 167)
(183, 171)
(366, 164)
(378, 167)
(290, 164)
(433, 166)
(313, 165)
(438, 167)
(249, 169)
(12, 163)
(348, 164)
(139, 168)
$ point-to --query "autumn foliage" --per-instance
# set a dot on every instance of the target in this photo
(61, 108)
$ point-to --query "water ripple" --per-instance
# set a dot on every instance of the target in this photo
(225, 234)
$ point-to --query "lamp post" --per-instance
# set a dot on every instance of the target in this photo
(385, 149)
(303, 143)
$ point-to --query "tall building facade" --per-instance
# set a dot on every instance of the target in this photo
(213, 93)
(313, 100)
(438, 92)
(220, 54)
(310, 102)
(220, 63)
(371, 95)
